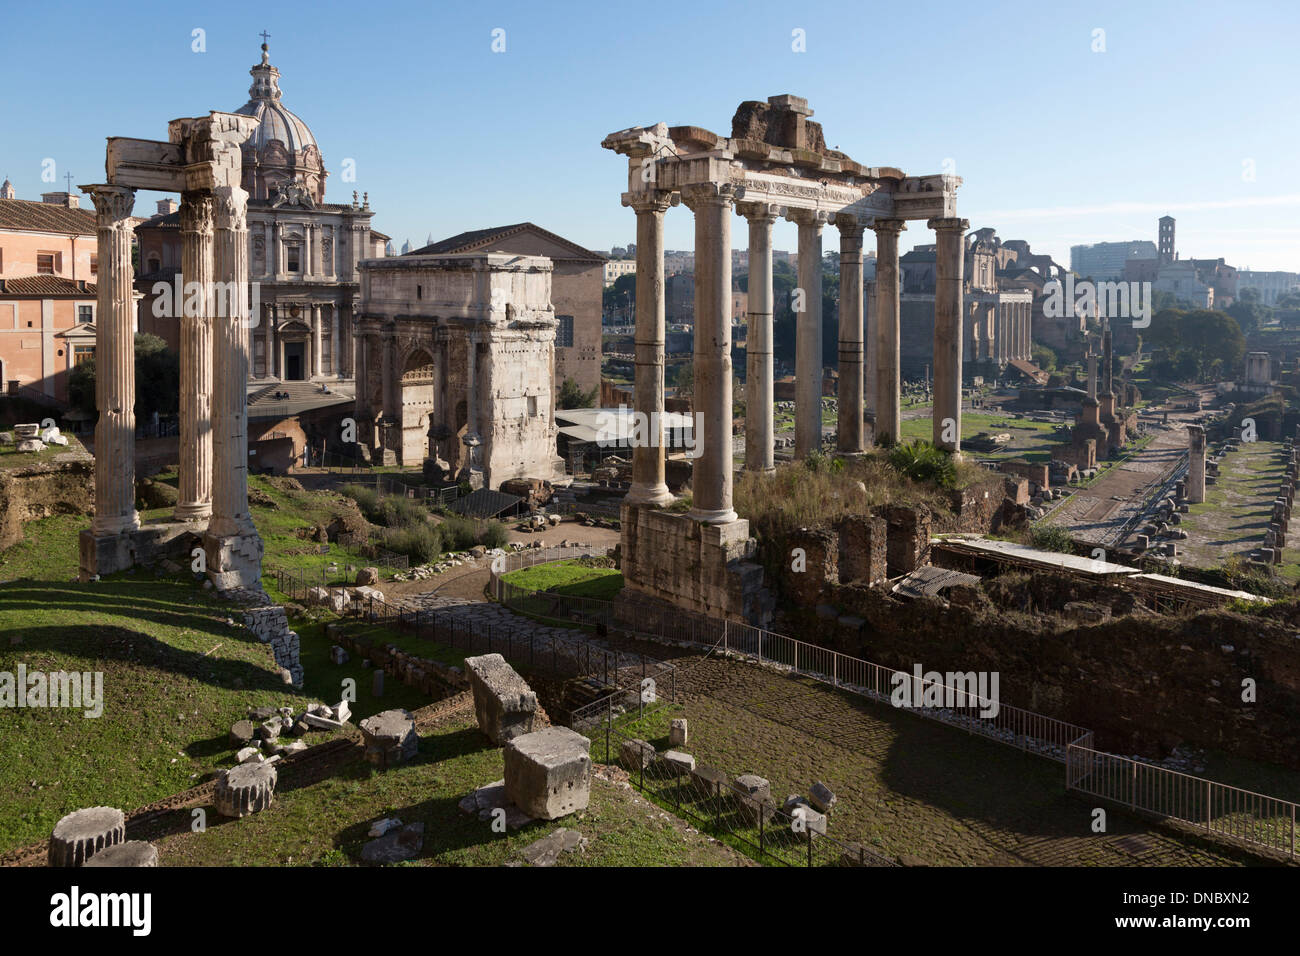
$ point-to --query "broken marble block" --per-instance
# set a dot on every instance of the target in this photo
(678, 763)
(401, 843)
(504, 704)
(677, 732)
(390, 737)
(83, 833)
(637, 755)
(246, 789)
(338, 655)
(804, 818)
(132, 853)
(548, 772)
(490, 803)
(754, 797)
(821, 797)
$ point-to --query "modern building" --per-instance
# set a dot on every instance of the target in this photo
(1105, 260)
(618, 267)
(1271, 286)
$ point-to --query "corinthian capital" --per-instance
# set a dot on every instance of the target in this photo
(760, 211)
(113, 204)
(230, 208)
(888, 225)
(196, 212)
(808, 217)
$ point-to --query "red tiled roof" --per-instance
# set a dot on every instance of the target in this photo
(46, 286)
(45, 217)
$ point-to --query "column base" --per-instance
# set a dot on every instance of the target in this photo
(105, 553)
(234, 560)
(649, 496)
(713, 516)
(473, 476)
(193, 512)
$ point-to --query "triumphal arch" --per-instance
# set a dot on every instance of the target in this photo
(775, 164)
(201, 161)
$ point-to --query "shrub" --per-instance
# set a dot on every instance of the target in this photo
(366, 498)
(458, 533)
(494, 535)
(402, 512)
(922, 461)
(421, 543)
(1052, 538)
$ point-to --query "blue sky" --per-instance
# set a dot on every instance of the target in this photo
(1191, 109)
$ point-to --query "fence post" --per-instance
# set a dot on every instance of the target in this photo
(609, 722)
(724, 637)
(1133, 794)
(1209, 797)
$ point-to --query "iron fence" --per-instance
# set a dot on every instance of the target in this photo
(367, 545)
(1229, 812)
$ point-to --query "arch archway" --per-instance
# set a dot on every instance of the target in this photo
(417, 404)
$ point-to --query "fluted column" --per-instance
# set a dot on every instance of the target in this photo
(889, 410)
(950, 255)
(712, 474)
(194, 498)
(114, 364)
(649, 487)
(334, 340)
(230, 366)
(1028, 310)
(272, 342)
(760, 426)
(808, 334)
(849, 431)
(390, 411)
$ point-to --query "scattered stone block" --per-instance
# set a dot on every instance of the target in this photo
(487, 800)
(504, 704)
(342, 711)
(377, 684)
(246, 789)
(637, 755)
(390, 737)
(321, 723)
(247, 754)
(241, 733)
(710, 780)
(548, 772)
(297, 747)
(821, 797)
(132, 853)
(547, 850)
(401, 844)
(270, 730)
(380, 827)
(83, 833)
(754, 797)
(677, 732)
(678, 763)
(338, 655)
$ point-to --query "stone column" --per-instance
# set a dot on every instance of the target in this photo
(760, 425)
(114, 379)
(649, 487)
(234, 550)
(1092, 377)
(1028, 310)
(1107, 363)
(390, 413)
(272, 345)
(808, 332)
(950, 257)
(849, 433)
(871, 346)
(889, 409)
(334, 340)
(361, 403)
(712, 474)
(317, 369)
(194, 498)
(1195, 464)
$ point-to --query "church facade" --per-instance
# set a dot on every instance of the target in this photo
(303, 251)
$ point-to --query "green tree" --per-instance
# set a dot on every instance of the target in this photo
(572, 395)
(157, 380)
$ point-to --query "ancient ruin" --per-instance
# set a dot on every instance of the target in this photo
(201, 161)
(774, 164)
(455, 363)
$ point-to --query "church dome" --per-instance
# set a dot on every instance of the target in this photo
(282, 150)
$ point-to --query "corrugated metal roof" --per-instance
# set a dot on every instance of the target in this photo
(929, 581)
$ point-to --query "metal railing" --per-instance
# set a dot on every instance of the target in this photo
(369, 546)
(1229, 812)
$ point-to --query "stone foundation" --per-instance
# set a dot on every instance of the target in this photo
(708, 568)
(147, 544)
(234, 561)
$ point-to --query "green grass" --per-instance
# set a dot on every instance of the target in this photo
(1031, 441)
(325, 822)
(570, 577)
(175, 677)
